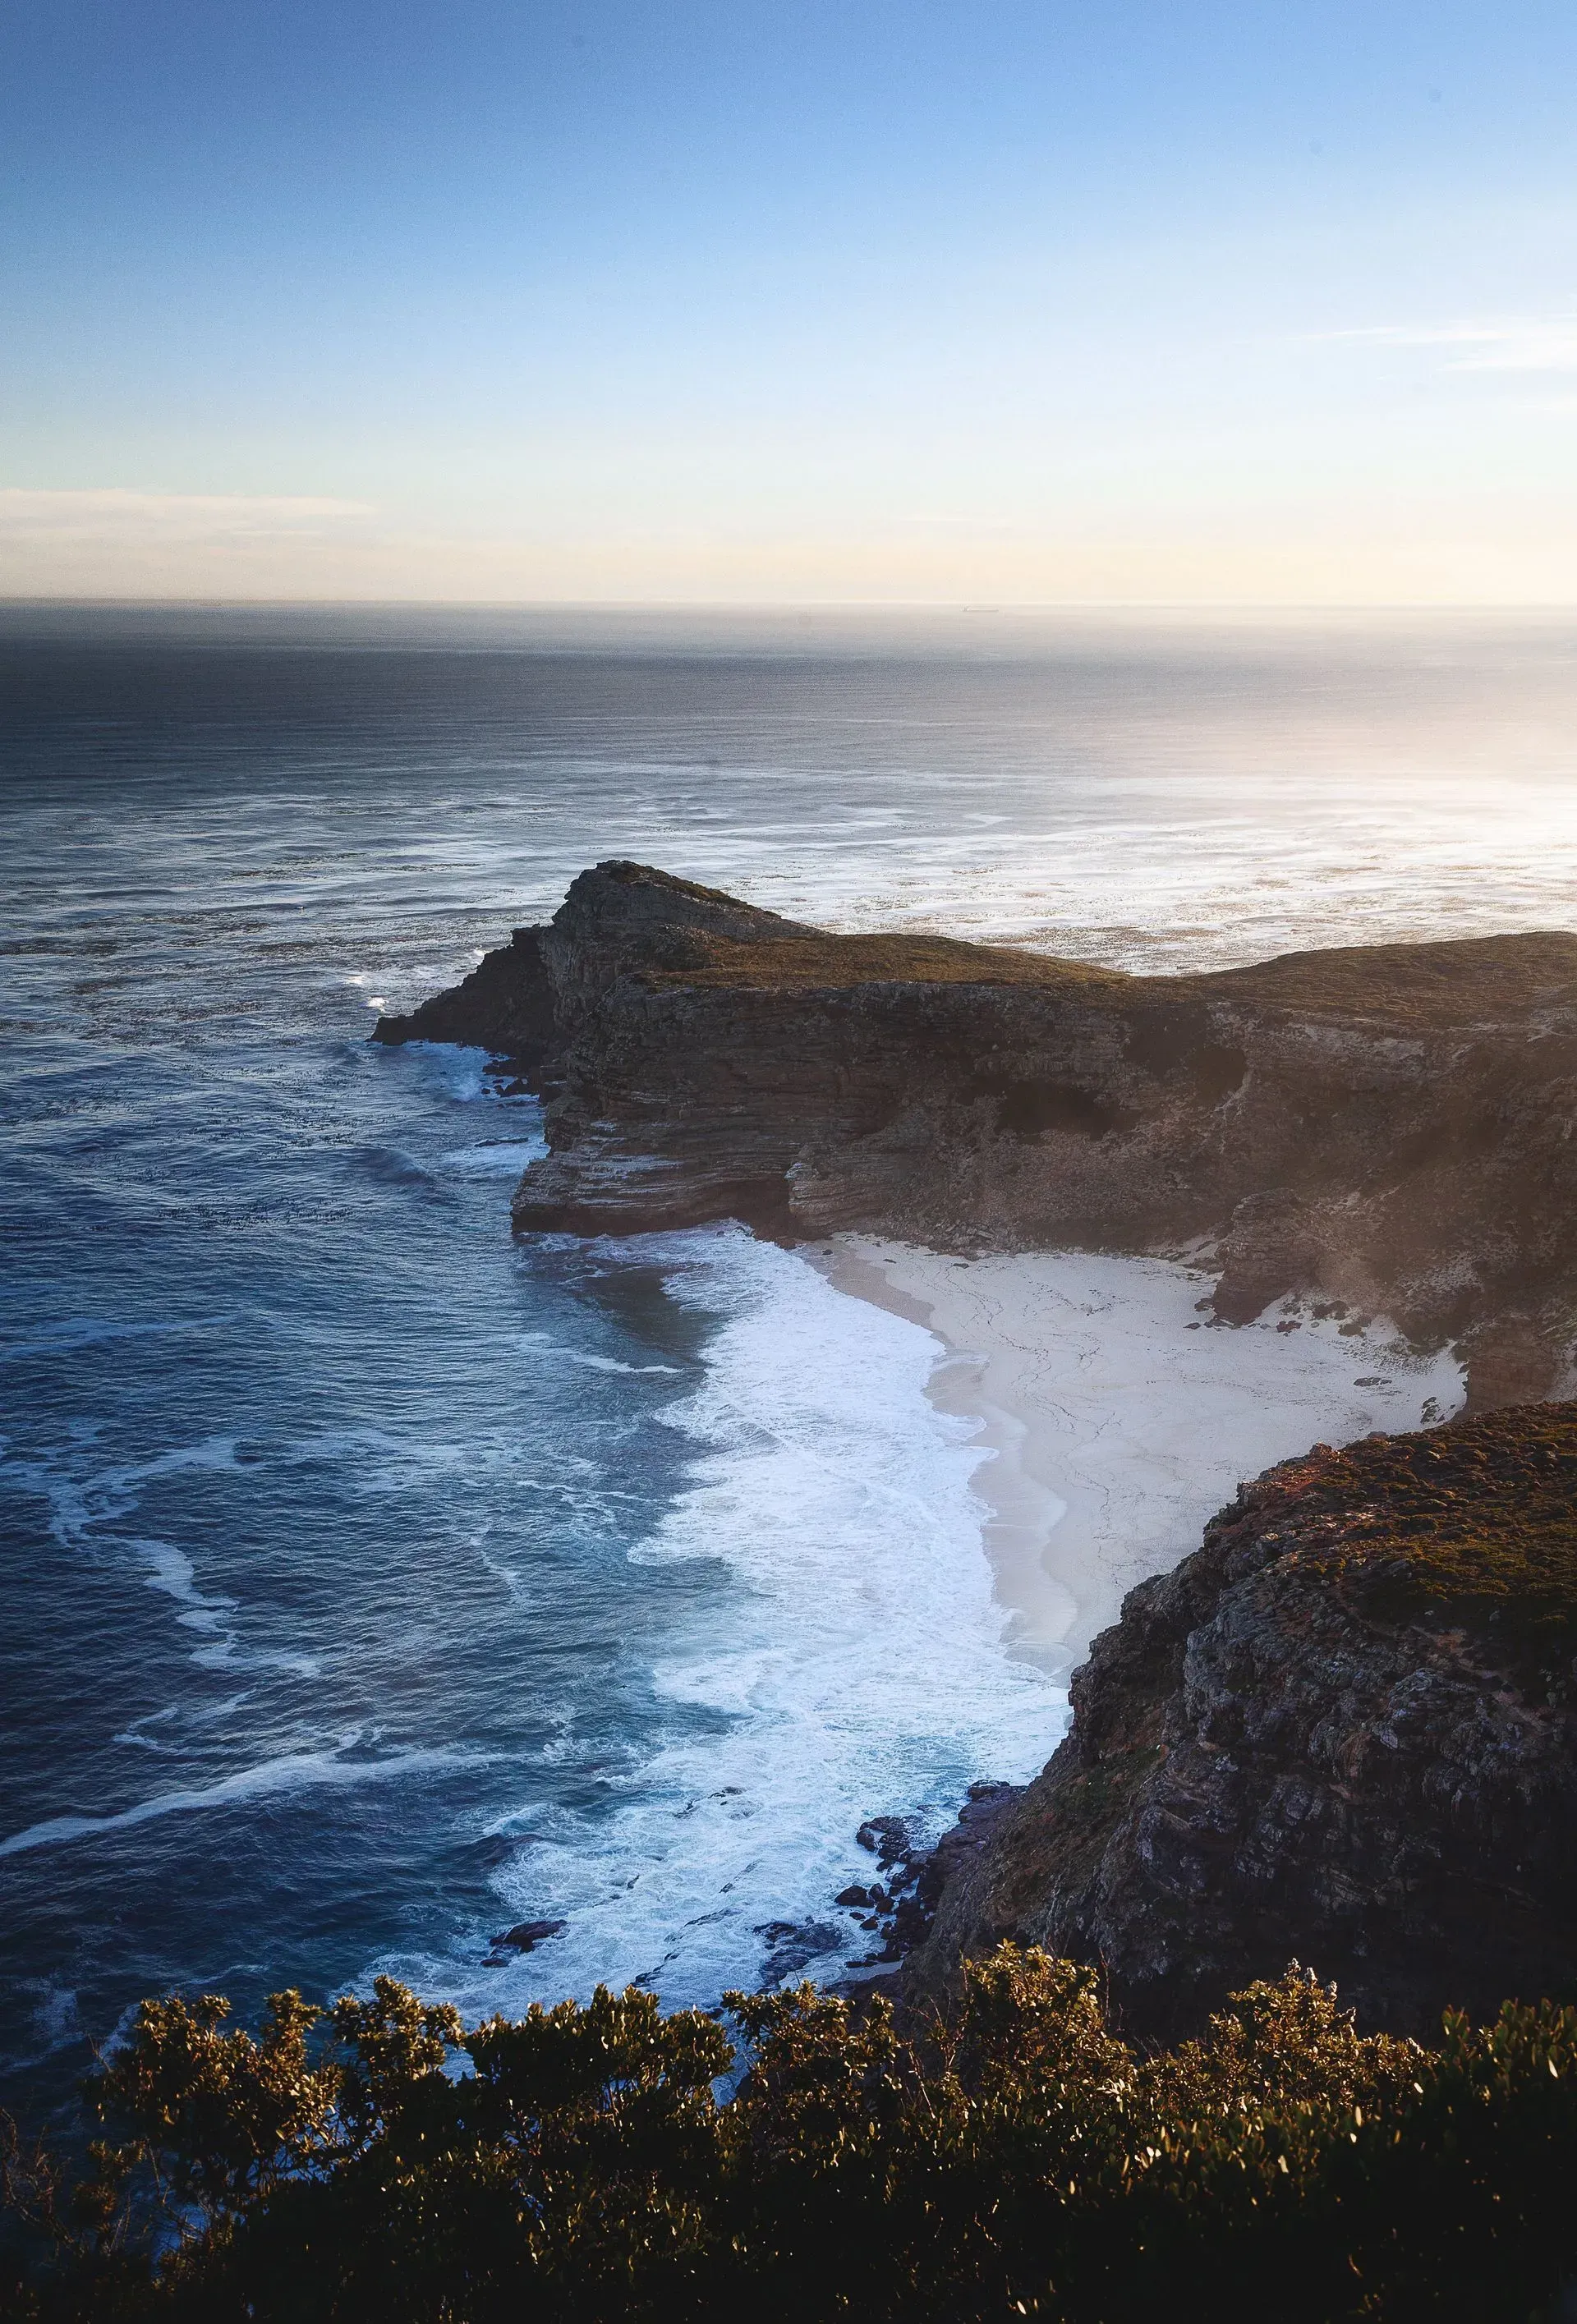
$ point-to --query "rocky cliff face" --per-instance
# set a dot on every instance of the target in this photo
(1388, 1127)
(506, 1005)
(1343, 1730)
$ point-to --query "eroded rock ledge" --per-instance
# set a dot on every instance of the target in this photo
(1389, 1125)
(1343, 1730)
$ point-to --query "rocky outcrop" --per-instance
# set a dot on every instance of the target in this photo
(1343, 1730)
(1386, 1129)
(506, 1005)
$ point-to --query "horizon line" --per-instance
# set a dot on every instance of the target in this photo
(9, 602)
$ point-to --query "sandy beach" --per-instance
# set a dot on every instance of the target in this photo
(1115, 1416)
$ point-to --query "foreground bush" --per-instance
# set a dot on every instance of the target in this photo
(379, 2161)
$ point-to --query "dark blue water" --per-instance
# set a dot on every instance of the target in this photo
(372, 1582)
(279, 1439)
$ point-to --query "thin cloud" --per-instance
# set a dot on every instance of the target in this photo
(1513, 342)
(115, 511)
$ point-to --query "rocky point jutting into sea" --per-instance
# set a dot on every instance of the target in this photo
(1340, 1729)
(1389, 1125)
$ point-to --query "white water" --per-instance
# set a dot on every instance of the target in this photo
(855, 1665)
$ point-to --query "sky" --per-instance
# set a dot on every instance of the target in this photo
(822, 301)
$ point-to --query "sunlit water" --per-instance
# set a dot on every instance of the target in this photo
(373, 1582)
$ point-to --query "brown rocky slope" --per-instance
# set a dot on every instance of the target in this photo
(1389, 1127)
(1345, 1729)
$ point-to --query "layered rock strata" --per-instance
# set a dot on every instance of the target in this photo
(1386, 1129)
(1343, 1730)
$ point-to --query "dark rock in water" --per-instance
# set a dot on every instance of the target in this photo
(985, 1800)
(1342, 1732)
(918, 1875)
(792, 1944)
(504, 1847)
(527, 1934)
(887, 1837)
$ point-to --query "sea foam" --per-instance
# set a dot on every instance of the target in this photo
(292, 1772)
(853, 1663)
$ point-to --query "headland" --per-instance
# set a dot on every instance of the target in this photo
(1386, 1130)
(1340, 1728)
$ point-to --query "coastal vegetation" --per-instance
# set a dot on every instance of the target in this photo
(801, 2156)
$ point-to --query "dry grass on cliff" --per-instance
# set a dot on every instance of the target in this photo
(832, 962)
(1421, 987)
(1479, 980)
(1473, 1524)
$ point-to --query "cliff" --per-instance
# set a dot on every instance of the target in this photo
(1387, 1128)
(1343, 1730)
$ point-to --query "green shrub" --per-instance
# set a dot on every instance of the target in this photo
(579, 2166)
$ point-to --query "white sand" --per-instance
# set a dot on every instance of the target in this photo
(1115, 1417)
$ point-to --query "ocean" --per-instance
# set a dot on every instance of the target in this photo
(374, 1582)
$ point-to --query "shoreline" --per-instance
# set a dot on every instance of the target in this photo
(1113, 1420)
